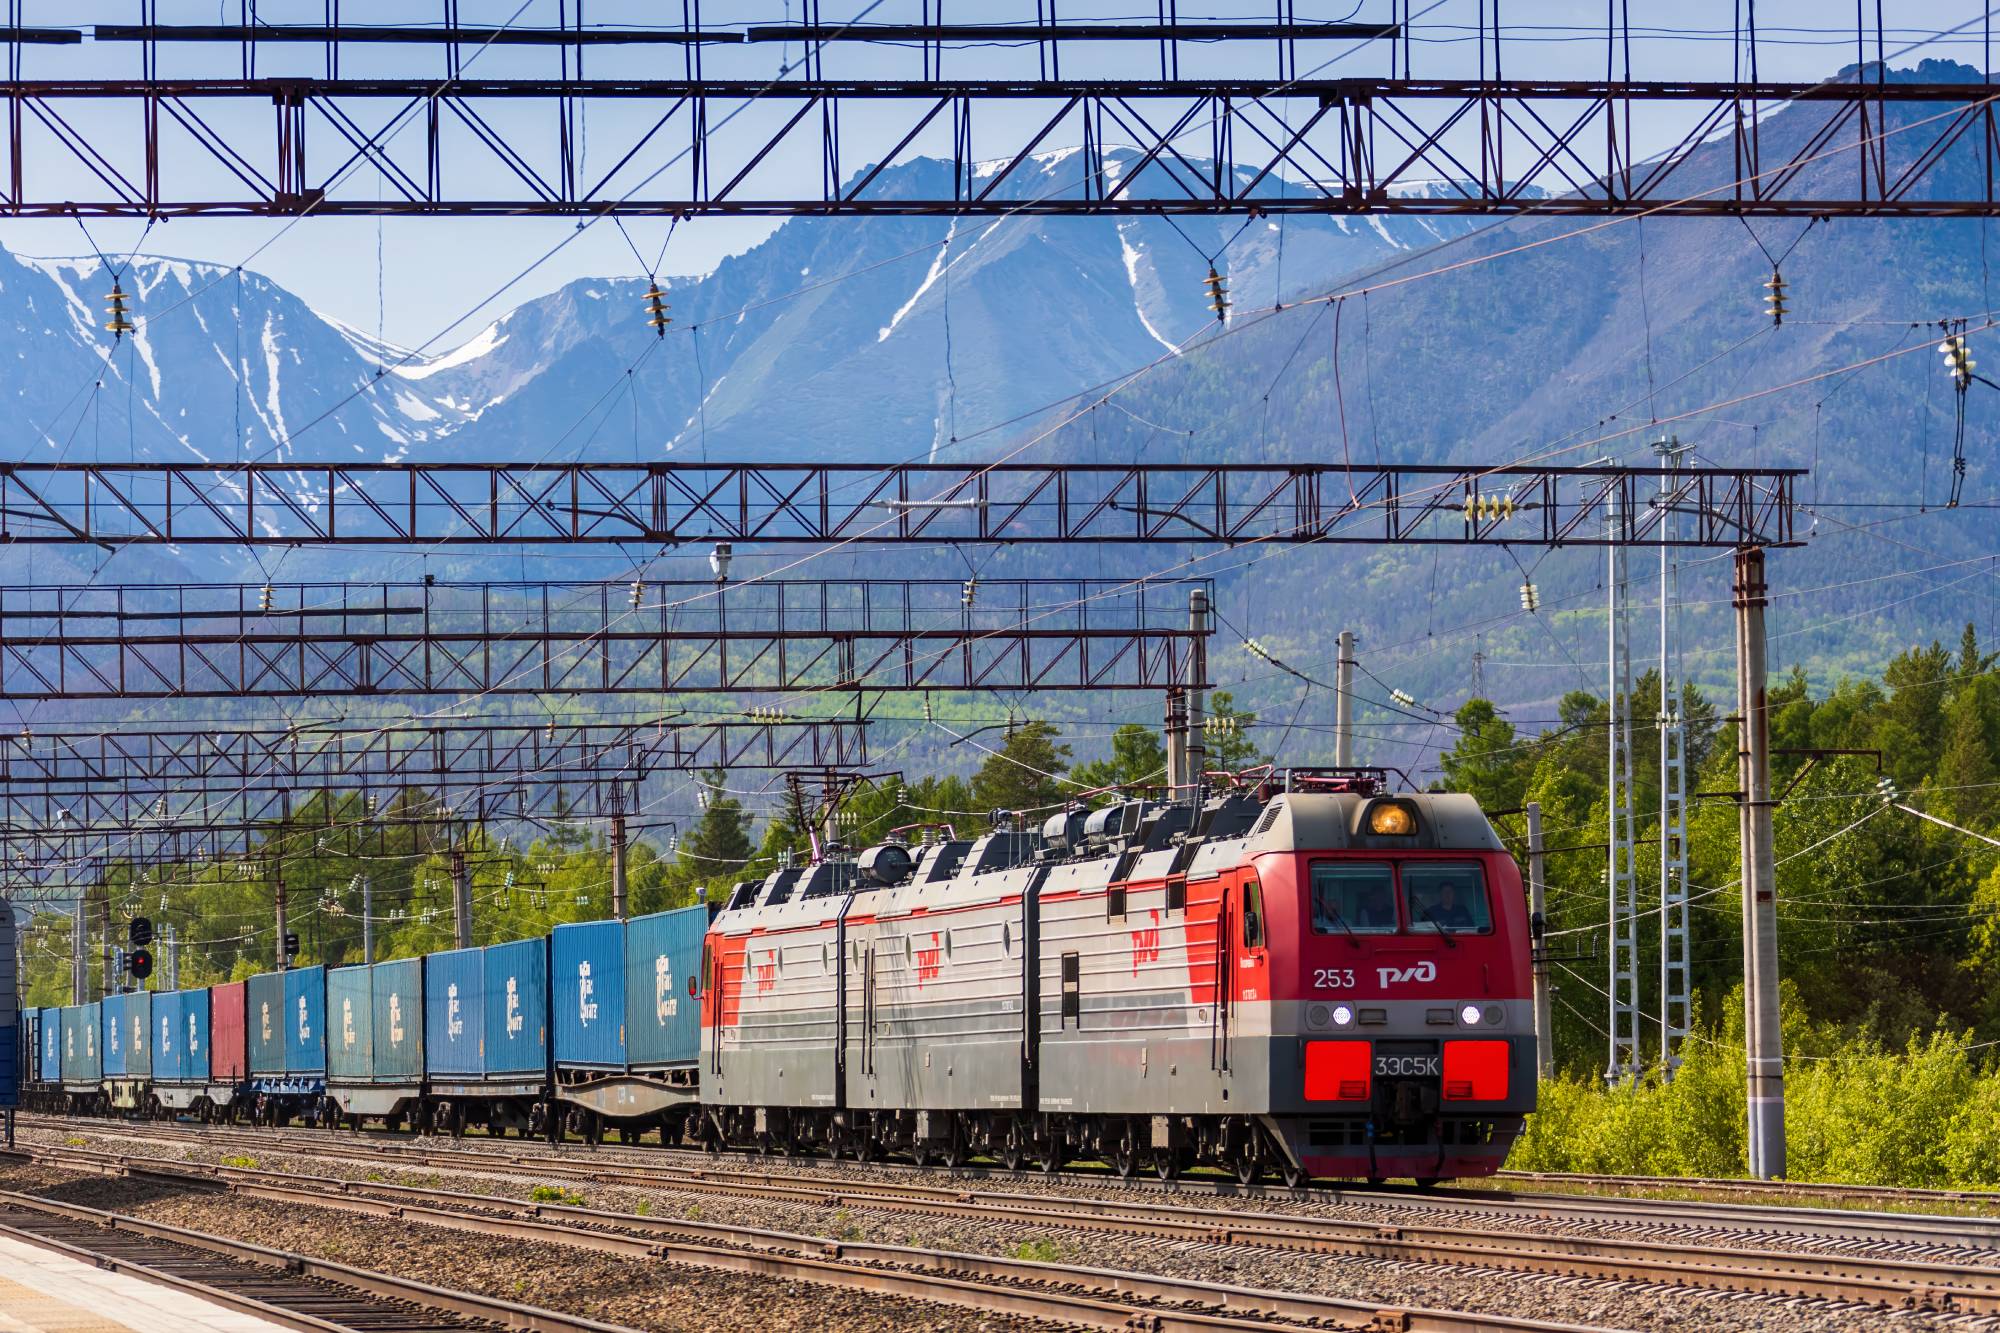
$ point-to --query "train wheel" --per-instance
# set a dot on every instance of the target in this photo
(920, 1152)
(1167, 1163)
(1425, 1184)
(1294, 1175)
(1124, 1154)
(1013, 1154)
(954, 1149)
(1052, 1160)
(1250, 1160)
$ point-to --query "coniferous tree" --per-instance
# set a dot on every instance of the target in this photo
(1026, 772)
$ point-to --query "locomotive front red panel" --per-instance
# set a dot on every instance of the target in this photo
(1403, 977)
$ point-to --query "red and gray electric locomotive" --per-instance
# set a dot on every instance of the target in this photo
(1308, 974)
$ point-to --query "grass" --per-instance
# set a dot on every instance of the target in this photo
(1039, 1251)
(556, 1194)
(239, 1162)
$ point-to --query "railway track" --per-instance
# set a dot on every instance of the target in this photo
(1823, 1191)
(1847, 1232)
(1943, 1280)
(292, 1290)
(1058, 1293)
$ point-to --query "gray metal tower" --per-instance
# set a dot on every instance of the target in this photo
(1621, 880)
(1675, 1005)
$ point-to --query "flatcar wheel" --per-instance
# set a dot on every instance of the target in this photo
(1167, 1164)
(1124, 1154)
(920, 1152)
(1013, 1155)
(627, 1135)
(1052, 1160)
(954, 1149)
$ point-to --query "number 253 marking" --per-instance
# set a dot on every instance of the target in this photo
(1333, 978)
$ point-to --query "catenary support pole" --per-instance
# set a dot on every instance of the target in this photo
(110, 978)
(1177, 758)
(1343, 702)
(278, 902)
(79, 956)
(1765, 1052)
(367, 919)
(620, 904)
(1197, 743)
(461, 900)
(1545, 1036)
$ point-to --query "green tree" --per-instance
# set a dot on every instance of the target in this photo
(1025, 773)
(1137, 759)
(1484, 760)
(718, 847)
(1230, 747)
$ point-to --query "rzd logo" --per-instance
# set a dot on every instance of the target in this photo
(346, 1024)
(138, 1036)
(586, 1008)
(1146, 944)
(113, 1046)
(194, 1037)
(514, 1017)
(395, 1019)
(930, 961)
(454, 1023)
(666, 1004)
(767, 971)
(305, 1025)
(1424, 971)
(166, 1045)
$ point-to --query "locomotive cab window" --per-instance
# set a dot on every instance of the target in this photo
(1253, 915)
(1445, 897)
(1351, 898)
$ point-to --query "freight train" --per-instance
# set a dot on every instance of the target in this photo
(1307, 974)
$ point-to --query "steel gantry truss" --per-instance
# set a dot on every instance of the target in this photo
(139, 641)
(473, 504)
(430, 755)
(269, 119)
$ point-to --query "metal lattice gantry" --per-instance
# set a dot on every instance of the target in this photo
(427, 755)
(138, 641)
(688, 114)
(496, 503)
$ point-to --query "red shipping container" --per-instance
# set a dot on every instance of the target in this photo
(227, 1060)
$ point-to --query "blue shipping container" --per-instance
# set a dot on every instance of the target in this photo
(455, 1013)
(111, 1035)
(180, 1037)
(138, 1035)
(517, 1009)
(264, 1017)
(350, 1050)
(13, 1026)
(305, 1022)
(82, 1060)
(51, 1068)
(662, 961)
(396, 991)
(587, 986)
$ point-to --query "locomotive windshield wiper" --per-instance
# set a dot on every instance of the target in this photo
(1442, 929)
(1341, 921)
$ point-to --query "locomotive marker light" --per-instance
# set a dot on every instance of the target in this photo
(1390, 819)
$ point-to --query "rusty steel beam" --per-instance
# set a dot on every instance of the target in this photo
(139, 641)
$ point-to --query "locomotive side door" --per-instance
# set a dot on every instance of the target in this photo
(1223, 1021)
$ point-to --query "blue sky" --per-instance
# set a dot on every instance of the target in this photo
(435, 276)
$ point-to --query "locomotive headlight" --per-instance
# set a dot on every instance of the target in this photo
(1469, 1015)
(1392, 820)
(1342, 1015)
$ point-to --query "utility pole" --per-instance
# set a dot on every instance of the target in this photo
(620, 907)
(1343, 701)
(461, 900)
(1197, 746)
(1676, 1001)
(1621, 879)
(1177, 755)
(1765, 1040)
(278, 899)
(367, 920)
(110, 977)
(79, 956)
(1545, 1034)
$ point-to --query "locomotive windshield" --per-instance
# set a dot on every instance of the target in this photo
(1350, 898)
(1362, 898)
